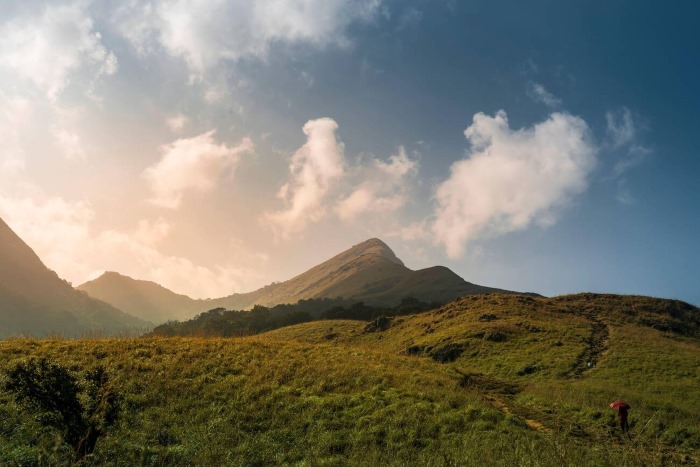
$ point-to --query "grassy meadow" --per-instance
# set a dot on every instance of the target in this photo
(484, 380)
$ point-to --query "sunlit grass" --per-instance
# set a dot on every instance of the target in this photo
(327, 393)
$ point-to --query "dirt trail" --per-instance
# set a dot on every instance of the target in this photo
(532, 424)
(497, 392)
(597, 344)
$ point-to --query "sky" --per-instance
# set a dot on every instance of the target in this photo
(218, 146)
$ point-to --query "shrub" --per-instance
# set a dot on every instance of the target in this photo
(81, 410)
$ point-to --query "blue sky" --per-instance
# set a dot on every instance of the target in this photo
(215, 147)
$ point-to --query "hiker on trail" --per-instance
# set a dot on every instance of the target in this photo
(622, 409)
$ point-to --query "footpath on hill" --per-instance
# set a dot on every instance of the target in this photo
(597, 345)
(532, 424)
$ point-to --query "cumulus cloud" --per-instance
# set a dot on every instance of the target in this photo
(384, 187)
(313, 169)
(322, 182)
(224, 30)
(195, 163)
(45, 50)
(62, 234)
(539, 93)
(512, 178)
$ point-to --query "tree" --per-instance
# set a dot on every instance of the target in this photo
(54, 394)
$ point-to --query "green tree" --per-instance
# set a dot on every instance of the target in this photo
(54, 394)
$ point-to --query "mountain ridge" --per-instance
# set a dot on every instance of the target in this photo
(368, 271)
(35, 300)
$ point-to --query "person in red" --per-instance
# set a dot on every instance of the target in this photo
(622, 409)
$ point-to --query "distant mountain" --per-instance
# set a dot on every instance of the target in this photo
(369, 272)
(144, 299)
(153, 302)
(35, 301)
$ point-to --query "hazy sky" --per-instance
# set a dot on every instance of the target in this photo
(216, 146)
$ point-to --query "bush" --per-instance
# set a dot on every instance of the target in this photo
(82, 411)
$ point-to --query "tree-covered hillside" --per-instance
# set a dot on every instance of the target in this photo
(220, 322)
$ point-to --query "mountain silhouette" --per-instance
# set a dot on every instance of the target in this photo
(368, 272)
(145, 299)
(35, 301)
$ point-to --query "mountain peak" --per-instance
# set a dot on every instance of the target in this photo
(144, 299)
(375, 247)
(111, 274)
(368, 271)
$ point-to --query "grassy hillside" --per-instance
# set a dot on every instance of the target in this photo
(569, 356)
(497, 380)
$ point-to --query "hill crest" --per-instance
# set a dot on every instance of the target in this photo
(369, 271)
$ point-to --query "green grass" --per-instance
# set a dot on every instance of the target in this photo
(327, 393)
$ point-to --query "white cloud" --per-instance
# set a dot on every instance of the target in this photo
(195, 163)
(47, 49)
(636, 155)
(414, 232)
(228, 30)
(61, 233)
(623, 138)
(321, 182)
(538, 93)
(384, 187)
(176, 122)
(313, 169)
(621, 127)
(623, 132)
(68, 143)
(512, 178)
